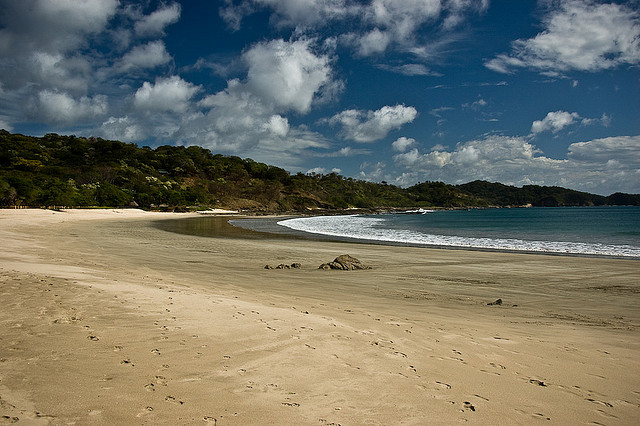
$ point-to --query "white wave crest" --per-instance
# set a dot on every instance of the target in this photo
(372, 229)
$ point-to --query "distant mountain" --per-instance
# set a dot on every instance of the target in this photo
(72, 171)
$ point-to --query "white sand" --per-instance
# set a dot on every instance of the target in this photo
(107, 320)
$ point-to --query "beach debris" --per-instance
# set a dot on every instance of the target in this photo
(537, 382)
(497, 302)
(294, 265)
(344, 262)
(469, 406)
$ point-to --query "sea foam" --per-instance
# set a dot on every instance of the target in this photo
(373, 229)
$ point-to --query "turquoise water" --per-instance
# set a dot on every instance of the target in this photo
(608, 231)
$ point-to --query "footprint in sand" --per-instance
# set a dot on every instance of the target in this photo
(172, 399)
(145, 411)
(469, 406)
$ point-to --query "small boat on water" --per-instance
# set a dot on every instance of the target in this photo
(418, 211)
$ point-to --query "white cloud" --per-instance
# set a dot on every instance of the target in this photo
(155, 23)
(167, 94)
(5, 125)
(322, 171)
(148, 55)
(558, 120)
(555, 121)
(369, 126)
(623, 149)
(402, 144)
(70, 50)
(579, 35)
(373, 171)
(291, 13)
(249, 118)
(53, 26)
(60, 108)
(410, 69)
(371, 43)
(476, 105)
(382, 24)
(287, 75)
(345, 151)
(602, 166)
(277, 125)
(54, 71)
(123, 129)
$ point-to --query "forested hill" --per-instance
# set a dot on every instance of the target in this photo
(71, 171)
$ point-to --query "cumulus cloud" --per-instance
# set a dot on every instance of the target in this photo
(155, 23)
(53, 26)
(61, 108)
(249, 117)
(70, 51)
(288, 75)
(403, 143)
(122, 128)
(41, 43)
(148, 55)
(581, 35)
(54, 71)
(370, 43)
(606, 149)
(597, 166)
(369, 126)
(555, 121)
(166, 94)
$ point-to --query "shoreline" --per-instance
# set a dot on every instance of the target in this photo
(267, 225)
(107, 319)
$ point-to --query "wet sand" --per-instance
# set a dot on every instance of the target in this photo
(106, 319)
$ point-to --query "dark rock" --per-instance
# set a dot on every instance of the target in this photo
(283, 266)
(344, 262)
(497, 302)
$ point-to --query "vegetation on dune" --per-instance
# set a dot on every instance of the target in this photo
(57, 170)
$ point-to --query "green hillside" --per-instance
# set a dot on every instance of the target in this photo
(72, 171)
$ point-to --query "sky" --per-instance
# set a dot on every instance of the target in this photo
(403, 91)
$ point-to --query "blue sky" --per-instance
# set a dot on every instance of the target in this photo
(520, 92)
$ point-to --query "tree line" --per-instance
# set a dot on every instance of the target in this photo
(57, 170)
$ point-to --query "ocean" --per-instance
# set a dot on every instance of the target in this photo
(602, 231)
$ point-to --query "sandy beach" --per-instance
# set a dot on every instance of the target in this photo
(106, 319)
